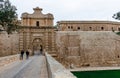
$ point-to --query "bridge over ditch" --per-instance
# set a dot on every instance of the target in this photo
(34, 67)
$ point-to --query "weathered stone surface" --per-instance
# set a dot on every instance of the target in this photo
(91, 48)
(9, 44)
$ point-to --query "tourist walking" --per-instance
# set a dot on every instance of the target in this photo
(41, 51)
(27, 54)
(21, 54)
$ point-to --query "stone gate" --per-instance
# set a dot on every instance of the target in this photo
(37, 32)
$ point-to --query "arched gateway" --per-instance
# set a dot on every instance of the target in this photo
(37, 32)
(37, 46)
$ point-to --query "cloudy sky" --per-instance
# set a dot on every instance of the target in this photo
(71, 9)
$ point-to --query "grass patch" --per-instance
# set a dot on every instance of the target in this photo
(98, 74)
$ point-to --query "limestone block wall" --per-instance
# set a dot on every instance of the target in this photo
(9, 44)
(88, 48)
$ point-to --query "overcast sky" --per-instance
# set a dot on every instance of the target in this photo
(71, 9)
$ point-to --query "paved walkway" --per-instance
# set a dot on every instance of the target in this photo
(34, 67)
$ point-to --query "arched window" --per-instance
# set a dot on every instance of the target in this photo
(118, 56)
(112, 28)
(90, 28)
(78, 28)
(71, 27)
(68, 27)
(37, 23)
(118, 29)
(102, 28)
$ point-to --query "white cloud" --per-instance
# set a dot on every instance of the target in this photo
(72, 9)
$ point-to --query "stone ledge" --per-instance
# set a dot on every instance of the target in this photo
(8, 59)
(56, 70)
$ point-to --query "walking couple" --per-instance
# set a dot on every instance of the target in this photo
(22, 53)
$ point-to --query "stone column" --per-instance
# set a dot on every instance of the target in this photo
(21, 40)
(24, 40)
(53, 42)
(46, 41)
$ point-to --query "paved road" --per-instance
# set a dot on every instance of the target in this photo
(34, 67)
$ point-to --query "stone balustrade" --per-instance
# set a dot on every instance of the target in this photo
(56, 70)
(8, 59)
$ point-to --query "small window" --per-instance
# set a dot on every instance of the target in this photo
(112, 28)
(90, 28)
(102, 28)
(71, 27)
(68, 27)
(118, 29)
(78, 28)
(37, 23)
(118, 56)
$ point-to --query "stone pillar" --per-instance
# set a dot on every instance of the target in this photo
(28, 22)
(53, 43)
(46, 41)
(24, 40)
(21, 41)
(27, 40)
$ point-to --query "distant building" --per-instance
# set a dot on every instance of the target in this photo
(88, 26)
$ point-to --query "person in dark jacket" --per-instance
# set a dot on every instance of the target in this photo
(27, 54)
(21, 54)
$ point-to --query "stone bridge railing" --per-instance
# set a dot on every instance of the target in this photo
(56, 70)
(8, 59)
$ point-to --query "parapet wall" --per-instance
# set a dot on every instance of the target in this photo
(56, 70)
(8, 59)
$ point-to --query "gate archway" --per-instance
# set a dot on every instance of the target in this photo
(37, 46)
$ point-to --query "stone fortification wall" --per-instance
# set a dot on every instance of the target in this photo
(88, 26)
(9, 44)
(88, 48)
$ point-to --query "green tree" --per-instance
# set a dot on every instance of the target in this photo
(8, 16)
(117, 16)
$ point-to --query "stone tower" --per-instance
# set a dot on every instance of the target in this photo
(37, 32)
